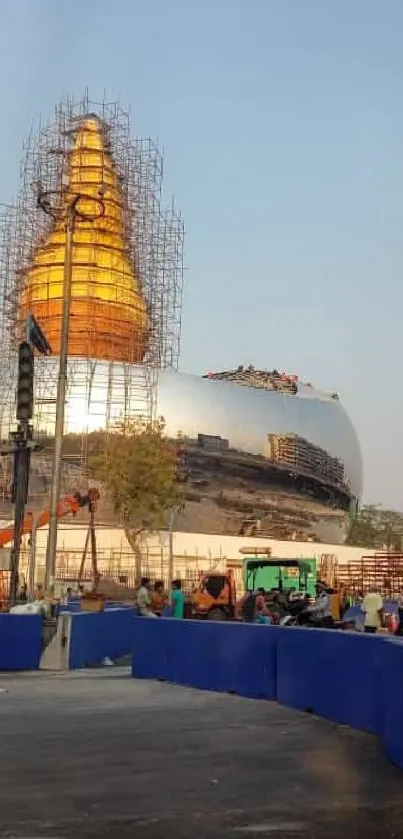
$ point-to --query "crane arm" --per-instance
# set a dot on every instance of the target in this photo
(67, 504)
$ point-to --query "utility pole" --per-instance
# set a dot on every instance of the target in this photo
(60, 399)
(170, 548)
(70, 212)
(32, 556)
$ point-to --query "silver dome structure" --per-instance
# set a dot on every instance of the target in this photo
(262, 453)
(278, 458)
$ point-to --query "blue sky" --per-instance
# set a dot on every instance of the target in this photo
(282, 125)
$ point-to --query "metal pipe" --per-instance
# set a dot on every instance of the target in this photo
(61, 398)
(170, 548)
(32, 557)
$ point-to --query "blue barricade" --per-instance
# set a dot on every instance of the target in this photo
(98, 635)
(352, 679)
(20, 642)
(236, 658)
(332, 674)
(75, 605)
(391, 688)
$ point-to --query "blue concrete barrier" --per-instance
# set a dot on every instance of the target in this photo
(351, 679)
(332, 674)
(74, 605)
(95, 636)
(236, 658)
(20, 642)
(391, 691)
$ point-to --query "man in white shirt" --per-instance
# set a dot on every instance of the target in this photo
(321, 610)
(372, 606)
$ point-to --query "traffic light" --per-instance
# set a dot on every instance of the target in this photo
(36, 337)
(25, 385)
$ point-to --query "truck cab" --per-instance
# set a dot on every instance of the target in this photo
(215, 596)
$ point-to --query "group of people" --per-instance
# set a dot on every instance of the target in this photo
(372, 613)
(154, 601)
(270, 607)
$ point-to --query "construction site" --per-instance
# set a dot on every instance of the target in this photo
(127, 269)
(126, 285)
(264, 453)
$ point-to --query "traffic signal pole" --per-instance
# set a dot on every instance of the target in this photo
(22, 444)
(22, 456)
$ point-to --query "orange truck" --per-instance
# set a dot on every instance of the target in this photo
(214, 598)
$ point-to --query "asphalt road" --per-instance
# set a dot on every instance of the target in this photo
(97, 754)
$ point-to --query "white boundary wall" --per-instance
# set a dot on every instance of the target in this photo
(197, 549)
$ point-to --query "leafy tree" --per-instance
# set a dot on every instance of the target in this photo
(375, 527)
(140, 472)
(363, 530)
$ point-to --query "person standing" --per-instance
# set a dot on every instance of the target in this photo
(262, 614)
(372, 606)
(177, 600)
(144, 599)
(158, 598)
(321, 610)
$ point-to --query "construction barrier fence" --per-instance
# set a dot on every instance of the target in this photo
(20, 642)
(351, 679)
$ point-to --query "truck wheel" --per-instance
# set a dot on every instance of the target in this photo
(217, 615)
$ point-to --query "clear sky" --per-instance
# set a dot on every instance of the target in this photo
(282, 124)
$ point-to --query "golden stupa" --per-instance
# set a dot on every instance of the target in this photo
(109, 319)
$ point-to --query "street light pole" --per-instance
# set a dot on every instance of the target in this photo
(71, 213)
(60, 396)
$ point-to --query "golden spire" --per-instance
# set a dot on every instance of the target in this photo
(108, 319)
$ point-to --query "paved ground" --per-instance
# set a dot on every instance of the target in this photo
(97, 754)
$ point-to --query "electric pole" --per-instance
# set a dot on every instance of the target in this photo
(68, 210)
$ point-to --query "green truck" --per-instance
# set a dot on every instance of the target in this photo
(274, 573)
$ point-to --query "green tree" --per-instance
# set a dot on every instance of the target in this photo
(376, 527)
(140, 472)
(363, 531)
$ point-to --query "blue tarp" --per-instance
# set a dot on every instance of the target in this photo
(356, 614)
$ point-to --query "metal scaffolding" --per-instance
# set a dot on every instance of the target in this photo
(102, 390)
